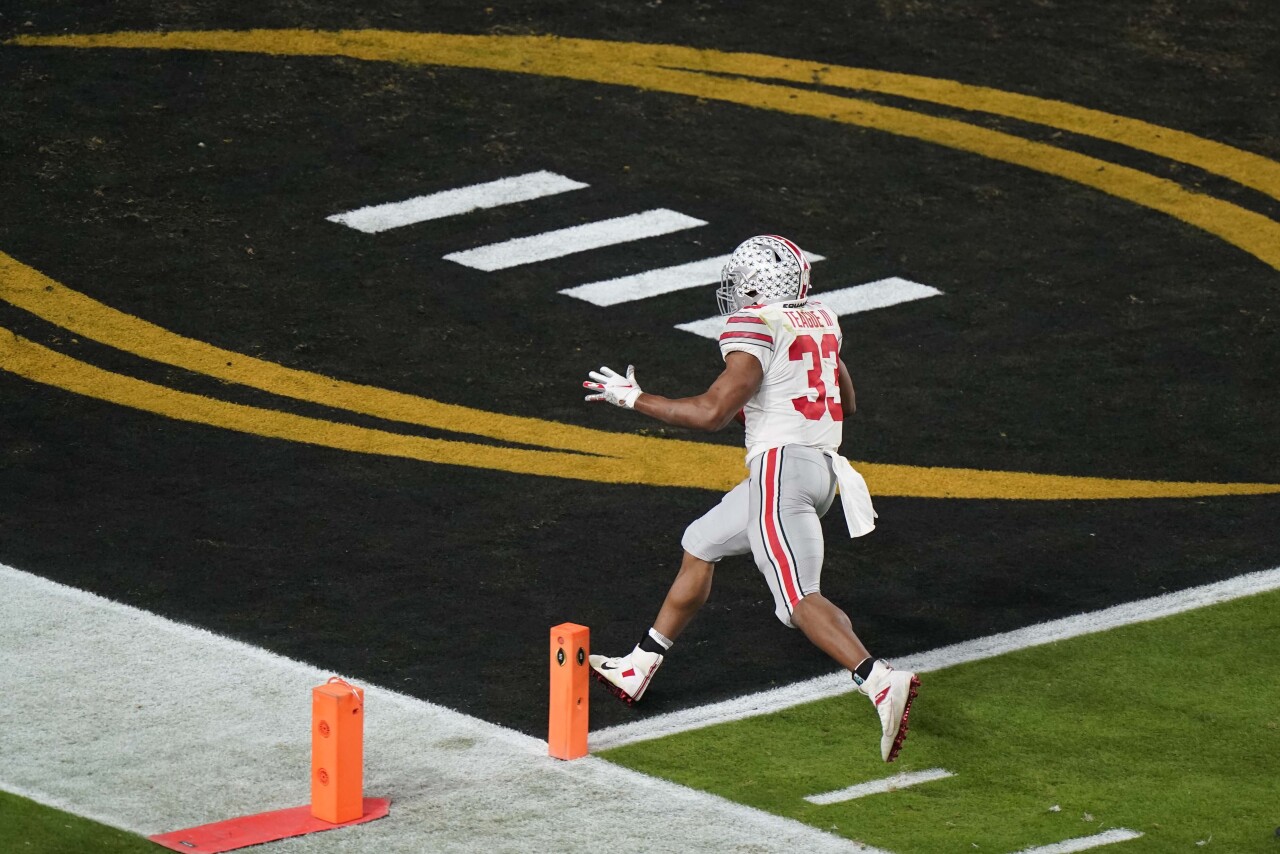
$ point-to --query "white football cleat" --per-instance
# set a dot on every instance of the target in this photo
(891, 692)
(627, 677)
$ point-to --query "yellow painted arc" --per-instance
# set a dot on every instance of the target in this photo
(1243, 167)
(647, 67)
(714, 467)
(1247, 230)
(699, 465)
(32, 291)
(609, 457)
(944, 482)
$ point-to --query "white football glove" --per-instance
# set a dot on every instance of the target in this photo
(613, 387)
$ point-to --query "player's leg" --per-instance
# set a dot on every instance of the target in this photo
(791, 488)
(720, 532)
(686, 597)
(795, 489)
(890, 691)
(829, 629)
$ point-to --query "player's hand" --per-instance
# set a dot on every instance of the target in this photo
(613, 387)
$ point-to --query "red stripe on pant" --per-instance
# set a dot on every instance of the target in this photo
(773, 541)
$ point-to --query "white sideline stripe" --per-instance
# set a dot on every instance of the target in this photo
(879, 787)
(852, 300)
(834, 684)
(578, 238)
(1084, 843)
(504, 191)
(150, 726)
(652, 283)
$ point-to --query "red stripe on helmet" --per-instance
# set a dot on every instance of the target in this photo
(795, 250)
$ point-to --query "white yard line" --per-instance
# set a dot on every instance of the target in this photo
(844, 301)
(652, 283)
(879, 787)
(579, 238)
(1084, 843)
(504, 191)
(707, 327)
(873, 295)
(150, 725)
(767, 702)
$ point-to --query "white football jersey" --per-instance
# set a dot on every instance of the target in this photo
(798, 345)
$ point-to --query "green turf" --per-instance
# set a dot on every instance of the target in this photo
(27, 827)
(1169, 728)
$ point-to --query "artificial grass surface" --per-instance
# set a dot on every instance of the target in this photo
(1169, 728)
(27, 827)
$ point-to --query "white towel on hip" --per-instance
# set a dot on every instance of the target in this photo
(854, 495)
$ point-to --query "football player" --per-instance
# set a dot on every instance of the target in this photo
(783, 374)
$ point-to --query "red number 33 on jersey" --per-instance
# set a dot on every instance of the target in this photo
(806, 346)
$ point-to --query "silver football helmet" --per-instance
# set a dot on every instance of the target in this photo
(763, 269)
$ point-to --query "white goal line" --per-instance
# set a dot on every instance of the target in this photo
(834, 684)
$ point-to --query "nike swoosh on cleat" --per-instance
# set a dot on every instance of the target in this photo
(607, 666)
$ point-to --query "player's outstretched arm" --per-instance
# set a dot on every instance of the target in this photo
(715, 407)
(711, 410)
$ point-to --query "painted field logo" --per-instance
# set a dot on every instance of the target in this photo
(536, 447)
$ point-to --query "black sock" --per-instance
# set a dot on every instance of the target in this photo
(863, 670)
(649, 643)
